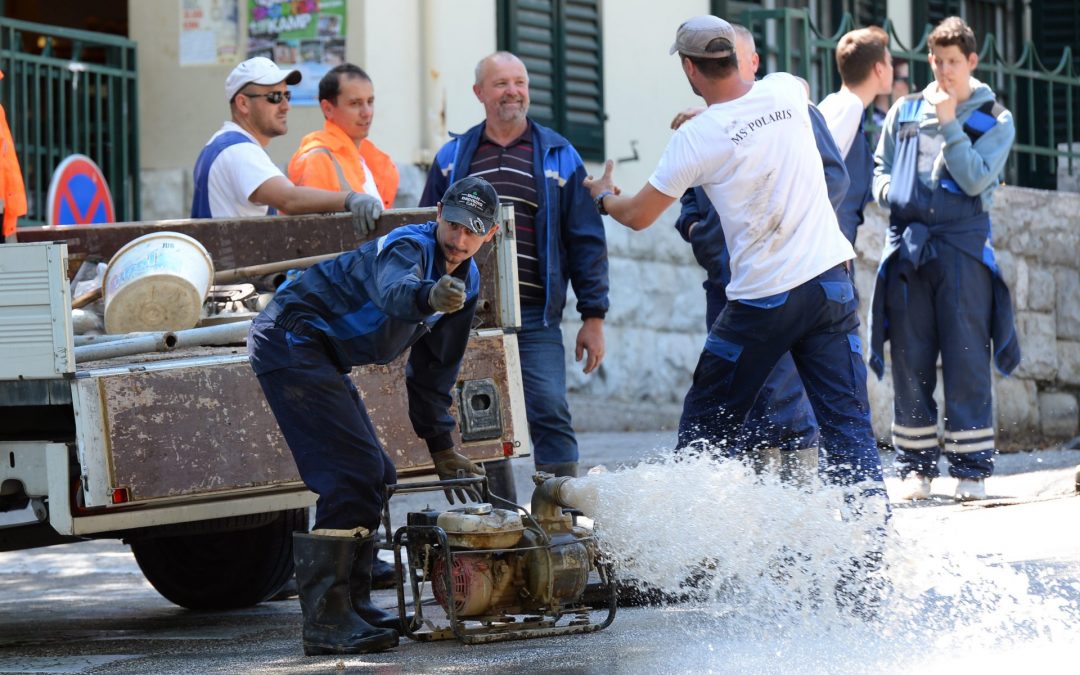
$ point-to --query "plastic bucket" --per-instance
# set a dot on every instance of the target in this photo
(156, 282)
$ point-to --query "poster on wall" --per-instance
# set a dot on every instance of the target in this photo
(305, 35)
(209, 32)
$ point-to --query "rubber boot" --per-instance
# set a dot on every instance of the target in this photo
(500, 476)
(360, 584)
(569, 469)
(331, 625)
(383, 574)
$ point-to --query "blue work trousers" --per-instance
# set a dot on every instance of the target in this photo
(781, 417)
(543, 374)
(818, 324)
(327, 428)
(943, 307)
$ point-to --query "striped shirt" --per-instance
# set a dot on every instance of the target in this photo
(509, 169)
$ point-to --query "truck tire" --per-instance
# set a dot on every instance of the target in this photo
(226, 569)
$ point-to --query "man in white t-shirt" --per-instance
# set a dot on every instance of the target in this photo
(753, 152)
(865, 65)
(235, 178)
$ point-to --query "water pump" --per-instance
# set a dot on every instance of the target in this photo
(504, 573)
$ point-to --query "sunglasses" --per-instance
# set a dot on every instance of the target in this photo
(273, 98)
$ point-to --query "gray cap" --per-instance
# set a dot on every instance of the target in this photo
(695, 35)
(471, 202)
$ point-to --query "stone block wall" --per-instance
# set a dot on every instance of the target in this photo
(655, 329)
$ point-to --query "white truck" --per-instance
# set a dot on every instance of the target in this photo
(176, 452)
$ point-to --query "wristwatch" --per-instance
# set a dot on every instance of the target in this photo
(599, 201)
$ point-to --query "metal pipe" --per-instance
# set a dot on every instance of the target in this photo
(222, 334)
(226, 333)
(152, 342)
(552, 495)
(83, 340)
(255, 271)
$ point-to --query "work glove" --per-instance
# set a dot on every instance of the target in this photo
(447, 295)
(365, 209)
(450, 465)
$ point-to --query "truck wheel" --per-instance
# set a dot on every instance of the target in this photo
(225, 569)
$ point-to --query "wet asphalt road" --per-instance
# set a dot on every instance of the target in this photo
(85, 608)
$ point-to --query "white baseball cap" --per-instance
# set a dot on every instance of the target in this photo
(258, 70)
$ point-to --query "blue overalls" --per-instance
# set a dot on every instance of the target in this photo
(200, 201)
(939, 290)
(781, 416)
(818, 323)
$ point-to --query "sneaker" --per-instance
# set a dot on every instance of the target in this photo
(969, 489)
(915, 486)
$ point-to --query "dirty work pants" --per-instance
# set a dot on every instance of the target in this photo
(781, 417)
(943, 307)
(818, 324)
(327, 428)
(543, 374)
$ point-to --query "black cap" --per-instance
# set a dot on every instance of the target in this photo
(471, 202)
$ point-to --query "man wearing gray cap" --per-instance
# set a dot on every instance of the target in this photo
(235, 178)
(754, 154)
(413, 290)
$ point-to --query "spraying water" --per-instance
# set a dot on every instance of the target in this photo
(749, 556)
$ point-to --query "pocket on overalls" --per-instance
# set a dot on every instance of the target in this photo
(841, 310)
(717, 362)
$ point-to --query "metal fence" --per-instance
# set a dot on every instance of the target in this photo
(71, 91)
(1045, 101)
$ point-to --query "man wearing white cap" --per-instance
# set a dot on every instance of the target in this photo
(754, 154)
(235, 178)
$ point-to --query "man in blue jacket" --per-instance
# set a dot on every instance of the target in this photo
(560, 239)
(415, 288)
(939, 289)
(782, 419)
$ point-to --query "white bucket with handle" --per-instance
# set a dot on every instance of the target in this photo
(156, 282)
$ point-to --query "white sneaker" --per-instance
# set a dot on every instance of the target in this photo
(915, 486)
(969, 489)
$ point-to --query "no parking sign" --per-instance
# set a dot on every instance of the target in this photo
(79, 194)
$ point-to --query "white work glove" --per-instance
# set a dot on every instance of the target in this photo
(447, 295)
(450, 465)
(365, 209)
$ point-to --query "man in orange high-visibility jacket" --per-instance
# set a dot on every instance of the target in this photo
(340, 156)
(12, 190)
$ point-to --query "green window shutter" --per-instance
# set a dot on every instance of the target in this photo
(559, 41)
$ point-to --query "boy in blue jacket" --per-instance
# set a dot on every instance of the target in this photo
(938, 288)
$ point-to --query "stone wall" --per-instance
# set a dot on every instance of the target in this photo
(655, 329)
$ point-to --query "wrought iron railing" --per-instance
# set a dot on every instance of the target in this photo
(71, 91)
(1045, 101)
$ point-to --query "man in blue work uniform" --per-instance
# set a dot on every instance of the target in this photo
(782, 419)
(415, 288)
(938, 289)
(560, 239)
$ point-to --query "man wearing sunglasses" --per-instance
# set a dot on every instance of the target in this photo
(235, 178)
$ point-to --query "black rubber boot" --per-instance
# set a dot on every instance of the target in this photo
(383, 574)
(360, 583)
(331, 625)
(569, 469)
(500, 476)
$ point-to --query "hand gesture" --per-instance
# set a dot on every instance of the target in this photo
(447, 295)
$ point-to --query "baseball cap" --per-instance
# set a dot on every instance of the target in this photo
(471, 202)
(258, 70)
(695, 35)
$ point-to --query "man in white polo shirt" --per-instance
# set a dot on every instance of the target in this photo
(753, 151)
(235, 178)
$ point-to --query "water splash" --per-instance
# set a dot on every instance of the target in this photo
(746, 554)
